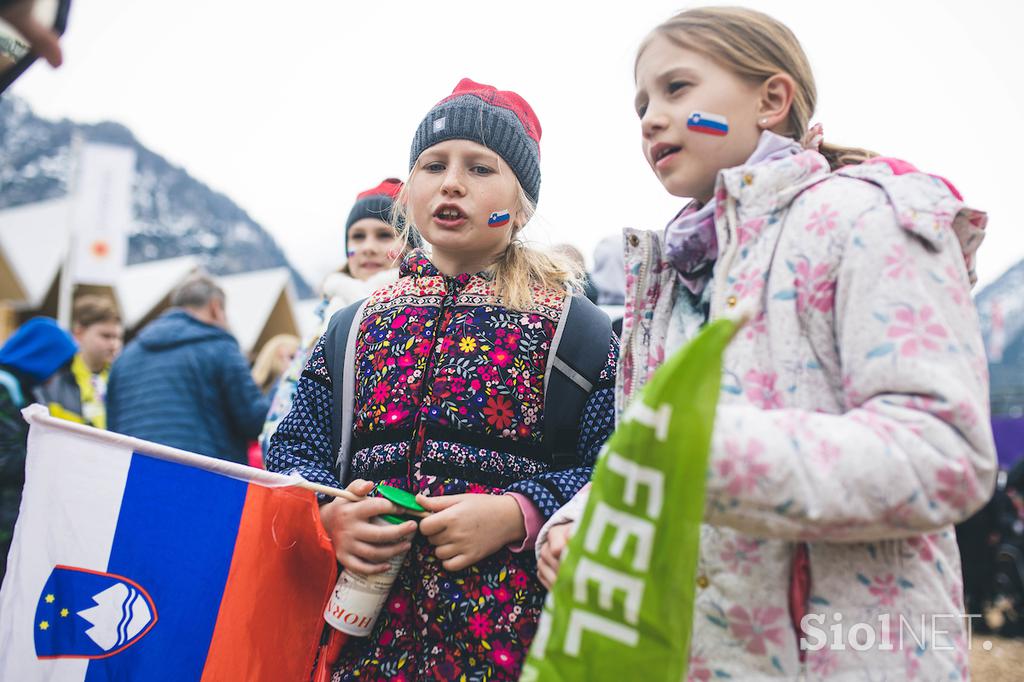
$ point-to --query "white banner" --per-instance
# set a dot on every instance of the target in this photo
(101, 213)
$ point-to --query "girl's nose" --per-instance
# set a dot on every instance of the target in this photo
(452, 183)
(653, 122)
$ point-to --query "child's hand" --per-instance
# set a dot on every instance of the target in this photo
(362, 546)
(467, 528)
(551, 553)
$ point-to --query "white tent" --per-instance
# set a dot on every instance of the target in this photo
(33, 241)
(260, 305)
(143, 290)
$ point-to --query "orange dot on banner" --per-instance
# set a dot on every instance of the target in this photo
(100, 249)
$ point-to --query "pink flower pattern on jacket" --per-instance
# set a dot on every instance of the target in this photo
(916, 331)
(899, 264)
(815, 289)
(742, 466)
(761, 389)
(757, 627)
(822, 221)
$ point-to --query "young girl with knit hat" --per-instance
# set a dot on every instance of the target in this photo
(372, 251)
(451, 368)
(853, 429)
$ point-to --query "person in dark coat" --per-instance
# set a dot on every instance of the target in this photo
(184, 382)
(33, 353)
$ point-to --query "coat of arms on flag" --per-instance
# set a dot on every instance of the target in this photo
(90, 614)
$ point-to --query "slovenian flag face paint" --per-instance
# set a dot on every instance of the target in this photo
(499, 219)
(709, 124)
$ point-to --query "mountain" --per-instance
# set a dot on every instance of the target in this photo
(1001, 309)
(175, 214)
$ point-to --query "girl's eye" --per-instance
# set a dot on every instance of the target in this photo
(641, 110)
(482, 170)
(434, 167)
(358, 237)
(676, 86)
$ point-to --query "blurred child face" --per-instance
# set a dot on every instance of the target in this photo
(672, 83)
(455, 187)
(99, 343)
(284, 355)
(373, 246)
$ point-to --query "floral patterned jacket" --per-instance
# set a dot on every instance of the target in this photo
(449, 386)
(853, 426)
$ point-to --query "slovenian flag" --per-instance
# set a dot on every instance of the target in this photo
(499, 219)
(132, 561)
(710, 124)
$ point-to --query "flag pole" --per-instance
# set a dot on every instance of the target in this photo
(346, 495)
(38, 414)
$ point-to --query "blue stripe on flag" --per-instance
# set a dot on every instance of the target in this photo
(175, 537)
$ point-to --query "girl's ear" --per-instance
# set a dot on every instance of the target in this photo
(776, 100)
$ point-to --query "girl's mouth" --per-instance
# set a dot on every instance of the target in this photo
(449, 215)
(662, 154)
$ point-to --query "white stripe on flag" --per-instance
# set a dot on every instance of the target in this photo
(59, 523)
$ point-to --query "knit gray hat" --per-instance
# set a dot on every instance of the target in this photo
(500, 120)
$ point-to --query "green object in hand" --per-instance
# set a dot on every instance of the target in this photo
(402, 498)
(622, 605)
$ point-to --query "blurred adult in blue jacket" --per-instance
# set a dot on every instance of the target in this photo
(184, 382)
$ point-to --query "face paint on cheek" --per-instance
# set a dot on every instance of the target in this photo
(709, 124)
(350, 253)
(499, 219)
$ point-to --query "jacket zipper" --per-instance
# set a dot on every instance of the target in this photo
(641, 281)
(419, 428)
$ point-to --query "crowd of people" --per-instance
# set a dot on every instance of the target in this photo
(853, 427)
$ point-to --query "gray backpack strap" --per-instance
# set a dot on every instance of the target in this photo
(340, 351)
(579, 351)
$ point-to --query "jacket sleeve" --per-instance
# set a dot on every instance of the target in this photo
(302, 442)
(246, 406)
(551, 490)
(913, 452)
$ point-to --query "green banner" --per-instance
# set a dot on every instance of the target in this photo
(622, 607)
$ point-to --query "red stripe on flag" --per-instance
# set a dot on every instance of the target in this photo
(282, 573)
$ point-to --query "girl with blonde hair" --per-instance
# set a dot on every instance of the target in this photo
(451, 370)
(852, 430)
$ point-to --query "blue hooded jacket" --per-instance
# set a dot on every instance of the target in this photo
(38, 349)
(185, 383)
(34, 352)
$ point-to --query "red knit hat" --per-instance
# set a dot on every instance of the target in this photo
(500, 120)
(389, 187)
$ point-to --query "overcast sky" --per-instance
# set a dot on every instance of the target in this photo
(291, 108)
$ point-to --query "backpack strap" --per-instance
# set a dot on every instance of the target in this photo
(340, 351)
(579, 351)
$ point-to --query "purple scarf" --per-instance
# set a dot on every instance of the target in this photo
(690, 239)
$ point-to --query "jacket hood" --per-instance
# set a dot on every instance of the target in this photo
(927, 205)
(178, 328)
(38, 348)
